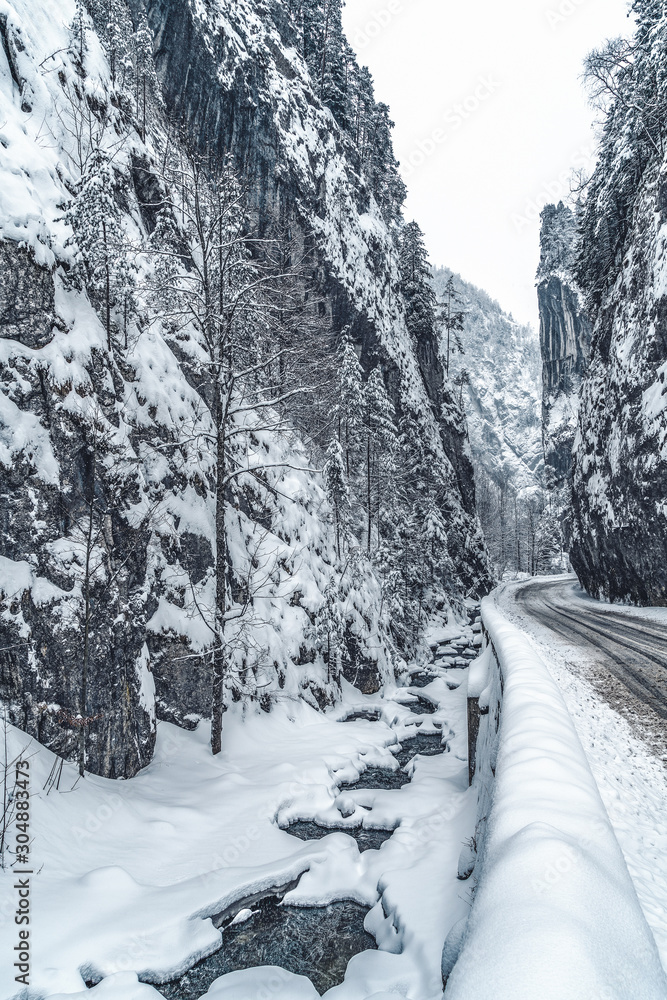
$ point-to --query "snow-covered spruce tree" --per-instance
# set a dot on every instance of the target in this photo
(116, 38)
(416, 283)
(218, 296)
(104, 255)
(330, 631)
(338, 492)
(146, 87)
(453, 320)
(78, 28)
(380, 447)
(350, 403)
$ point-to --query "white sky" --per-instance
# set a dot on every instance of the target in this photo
(478, 191)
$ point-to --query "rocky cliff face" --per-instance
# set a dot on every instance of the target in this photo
(238, 82)
(107, 507)
(620, 472)
(502, 398)
(565, 335)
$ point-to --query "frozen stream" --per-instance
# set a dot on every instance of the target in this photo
(313, 942)
(316, 942)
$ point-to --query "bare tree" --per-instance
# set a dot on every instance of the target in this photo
(226, 296)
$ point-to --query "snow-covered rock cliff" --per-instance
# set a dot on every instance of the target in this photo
(107, 470)
(502, 398)
(620, 473)
(565, 335)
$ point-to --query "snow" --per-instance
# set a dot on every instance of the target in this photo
(21, 434)
(16, 578)
(631, 778)
(555, 914)
(143, 864)
(503, 401)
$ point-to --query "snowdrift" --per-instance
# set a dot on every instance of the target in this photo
(555, 913)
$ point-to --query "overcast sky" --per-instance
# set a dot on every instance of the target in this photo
(491, 117)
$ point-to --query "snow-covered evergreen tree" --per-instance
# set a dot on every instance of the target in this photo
(416, 283)
(337, 490)
(95, 217)
(350, 406)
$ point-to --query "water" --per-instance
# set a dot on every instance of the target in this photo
(317, 942)
(314, 942)
(369, 716)
(421, 680)
(426, 707)
(368, 840)
(427, 744)
(380, 777)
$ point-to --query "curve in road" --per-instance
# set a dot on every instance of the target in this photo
(634, 649)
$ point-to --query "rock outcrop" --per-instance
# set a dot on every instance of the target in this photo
(565, 335)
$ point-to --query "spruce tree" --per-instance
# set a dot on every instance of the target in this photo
(350, 410)
(78, 29)
(416, 284)
(337, 490)
(95, 218)
(453, 320)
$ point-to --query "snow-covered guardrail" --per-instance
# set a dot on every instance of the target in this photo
(555, 915)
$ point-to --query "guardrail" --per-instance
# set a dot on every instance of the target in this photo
(555, 915)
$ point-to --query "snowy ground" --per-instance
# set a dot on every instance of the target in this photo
(631, 778)
(130, 872)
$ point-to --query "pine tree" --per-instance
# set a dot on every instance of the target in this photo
(145, 78)
(416, 283)
(350, 410)
(95, 218)
(115, 39)
(330, 632)
(337, 490)
(78, 30)
(453, 319)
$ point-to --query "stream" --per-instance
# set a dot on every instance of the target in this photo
(313, 942)
(317, 942)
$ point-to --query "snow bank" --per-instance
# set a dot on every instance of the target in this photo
(555, 914)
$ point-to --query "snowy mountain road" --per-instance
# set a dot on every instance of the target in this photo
(634, 649)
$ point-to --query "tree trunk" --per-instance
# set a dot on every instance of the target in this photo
(86, 631)
(107, 276)
(220, 650)
(369, 491)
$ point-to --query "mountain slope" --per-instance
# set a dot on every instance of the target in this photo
(107, 469)
(502, 359)
(500, 390)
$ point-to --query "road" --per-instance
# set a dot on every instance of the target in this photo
(633, 648)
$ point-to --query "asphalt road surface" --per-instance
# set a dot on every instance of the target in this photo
(633, 649)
